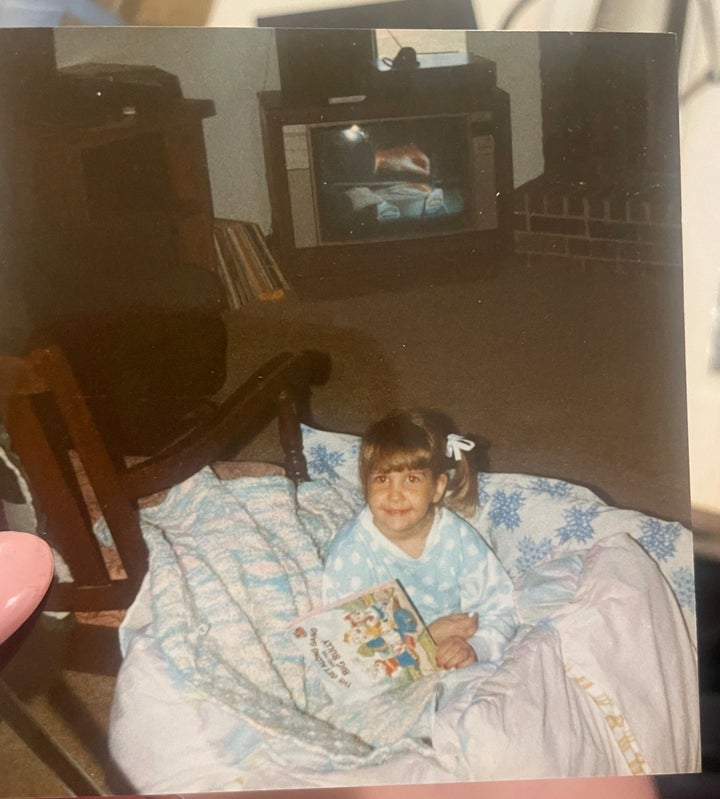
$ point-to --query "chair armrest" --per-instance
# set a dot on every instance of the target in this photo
(276, 389)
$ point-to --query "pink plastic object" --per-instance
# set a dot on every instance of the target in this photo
(26, 569)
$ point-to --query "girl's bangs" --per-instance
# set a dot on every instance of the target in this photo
(397, 460)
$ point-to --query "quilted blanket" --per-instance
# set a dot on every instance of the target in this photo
(601, 678)
(232, 564)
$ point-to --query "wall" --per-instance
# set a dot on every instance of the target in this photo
(517, 57)
(231, 65)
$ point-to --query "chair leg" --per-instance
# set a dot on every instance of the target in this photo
(49, 473)
(291, 438)
(37, 739)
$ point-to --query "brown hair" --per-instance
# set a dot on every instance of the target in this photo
(417, 439)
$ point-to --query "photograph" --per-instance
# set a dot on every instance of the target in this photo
(344, 404)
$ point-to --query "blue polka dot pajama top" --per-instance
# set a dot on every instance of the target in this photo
(457, 573)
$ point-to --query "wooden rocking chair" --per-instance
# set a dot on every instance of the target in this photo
(56, 431)
(279, 388)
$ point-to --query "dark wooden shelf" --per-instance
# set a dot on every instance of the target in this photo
(121, 173)
(96, 132)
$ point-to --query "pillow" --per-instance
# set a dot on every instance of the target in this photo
(529, 520)
(333, 457)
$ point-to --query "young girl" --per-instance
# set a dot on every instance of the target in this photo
(417, 478)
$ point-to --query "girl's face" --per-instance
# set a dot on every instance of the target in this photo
(402, 503)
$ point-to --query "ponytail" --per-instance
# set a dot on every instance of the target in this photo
(461, 495)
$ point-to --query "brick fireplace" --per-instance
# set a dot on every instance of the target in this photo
(618, 226)
(610, 194)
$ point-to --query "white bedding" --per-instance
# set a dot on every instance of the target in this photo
(600, 680)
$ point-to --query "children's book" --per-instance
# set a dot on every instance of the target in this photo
(367, 643)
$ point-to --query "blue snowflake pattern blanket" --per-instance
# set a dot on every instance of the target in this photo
(530, 520)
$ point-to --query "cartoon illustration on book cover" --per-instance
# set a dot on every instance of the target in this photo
(368, 643)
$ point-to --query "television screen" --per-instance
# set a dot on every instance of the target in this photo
(386, 177)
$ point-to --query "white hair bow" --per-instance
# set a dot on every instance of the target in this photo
(457, 444)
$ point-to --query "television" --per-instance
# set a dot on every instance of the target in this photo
(384, 178)
(361, 187)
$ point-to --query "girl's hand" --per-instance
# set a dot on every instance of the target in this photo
(463, 625)
(455, 653)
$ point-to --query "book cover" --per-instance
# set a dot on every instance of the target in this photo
(367, 643)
